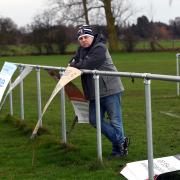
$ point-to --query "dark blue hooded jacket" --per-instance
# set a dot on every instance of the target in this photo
(97, 57)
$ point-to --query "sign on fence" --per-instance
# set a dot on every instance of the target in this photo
(6, 73)
(69, 74)
(81, 109)
(17, 81)
(77, 98)
(139, 170)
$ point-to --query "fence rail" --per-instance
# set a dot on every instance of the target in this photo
(177, 71)
(147, 83)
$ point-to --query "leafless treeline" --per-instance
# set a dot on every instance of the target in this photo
(56, 26)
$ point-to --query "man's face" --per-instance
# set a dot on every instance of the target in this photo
(85, 41)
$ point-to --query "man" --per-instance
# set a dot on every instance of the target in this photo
(93, 54)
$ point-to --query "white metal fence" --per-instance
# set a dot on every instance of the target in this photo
(177, 70)
(147, 83)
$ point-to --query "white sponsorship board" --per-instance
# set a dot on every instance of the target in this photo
(24, 73)
(81, 109)
(77, 98)
(139, 170)
(6, 73)
(69, 74)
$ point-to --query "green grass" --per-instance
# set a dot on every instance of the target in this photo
(170, 43)
(24, 49)
(46, 158)
(164, 43)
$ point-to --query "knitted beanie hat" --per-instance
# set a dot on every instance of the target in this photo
(85, 30)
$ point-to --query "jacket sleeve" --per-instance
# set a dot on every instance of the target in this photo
(74, 59)
(94, 58)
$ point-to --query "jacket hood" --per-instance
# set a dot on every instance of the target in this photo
(99, 38)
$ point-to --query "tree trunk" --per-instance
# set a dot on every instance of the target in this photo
(111, 28)
(85, 11)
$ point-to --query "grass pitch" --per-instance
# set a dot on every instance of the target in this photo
(47, 158)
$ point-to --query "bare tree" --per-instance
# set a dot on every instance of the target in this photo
(113, 38)
(116, 13)
(71, 11)
(122, 10)
(41, 31)
(170, 2)
(85, 11)
(110, 12)
(8, 31)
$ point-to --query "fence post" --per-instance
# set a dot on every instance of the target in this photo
(98, 119)
(147, 83)
(10, 100)
(38, 76)
(21, 96)
(177, 71)
(63, 113)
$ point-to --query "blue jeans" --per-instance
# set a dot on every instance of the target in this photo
(113, 129)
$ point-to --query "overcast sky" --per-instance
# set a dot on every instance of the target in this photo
(159, 10)
(22, 11)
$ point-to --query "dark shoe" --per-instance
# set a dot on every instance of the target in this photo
(116, 153)
(120, 150)
(115, 156)
(123, 148)
(125, 145)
